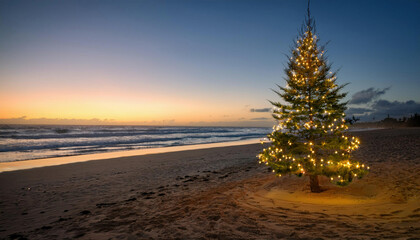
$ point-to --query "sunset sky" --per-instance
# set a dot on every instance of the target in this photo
(195, 62)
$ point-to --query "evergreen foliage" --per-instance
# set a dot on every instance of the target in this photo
(311, 137)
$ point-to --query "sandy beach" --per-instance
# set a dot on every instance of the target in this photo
(216, 193)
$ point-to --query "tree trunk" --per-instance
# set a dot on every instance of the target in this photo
(314, 183)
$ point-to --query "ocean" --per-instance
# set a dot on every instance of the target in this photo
(24, 142)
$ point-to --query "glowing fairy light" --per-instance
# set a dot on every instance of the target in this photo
(311, 136)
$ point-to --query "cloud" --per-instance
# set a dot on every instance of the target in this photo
(64, 121)
(260, 110)
(368, 95)
(396, 108)
(241, 122)
(259, 119)
(74, 121)
(380, 109)
(263, 122)
(358, 111)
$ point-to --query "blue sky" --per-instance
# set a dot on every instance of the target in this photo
(196, 62)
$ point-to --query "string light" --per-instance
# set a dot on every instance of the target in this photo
(311, 132)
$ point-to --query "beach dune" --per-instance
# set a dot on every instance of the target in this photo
(220, 193)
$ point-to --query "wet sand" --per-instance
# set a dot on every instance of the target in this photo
(216, 193)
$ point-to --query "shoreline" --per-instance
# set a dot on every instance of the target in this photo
(54, 161)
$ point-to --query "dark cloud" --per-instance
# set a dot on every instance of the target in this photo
(368, 95)
(382, 108)
(260, 110)
(396, 108)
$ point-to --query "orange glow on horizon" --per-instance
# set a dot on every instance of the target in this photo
(114, 107)
(104, 98)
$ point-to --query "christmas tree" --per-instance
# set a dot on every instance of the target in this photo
(310, 137)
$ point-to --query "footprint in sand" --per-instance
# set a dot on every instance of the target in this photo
(131, 199)
(100, 205)
(85, 212)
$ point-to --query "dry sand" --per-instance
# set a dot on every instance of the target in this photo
(219, 193)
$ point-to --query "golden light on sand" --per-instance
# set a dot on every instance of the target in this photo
(329, 198)
(367, 200)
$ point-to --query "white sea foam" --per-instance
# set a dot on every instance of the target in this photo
(24, 142)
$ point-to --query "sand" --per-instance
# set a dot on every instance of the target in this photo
(216, 193)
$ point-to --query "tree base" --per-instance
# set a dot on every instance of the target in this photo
(314, 184)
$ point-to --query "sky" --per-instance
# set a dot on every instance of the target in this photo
(198, 62)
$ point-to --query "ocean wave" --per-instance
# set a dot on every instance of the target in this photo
(98, 133)
(31, 142)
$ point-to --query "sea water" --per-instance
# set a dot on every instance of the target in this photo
(24, 142)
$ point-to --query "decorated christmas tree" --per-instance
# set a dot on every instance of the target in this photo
(310, 137)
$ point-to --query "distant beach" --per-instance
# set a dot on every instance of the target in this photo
(216, 193)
